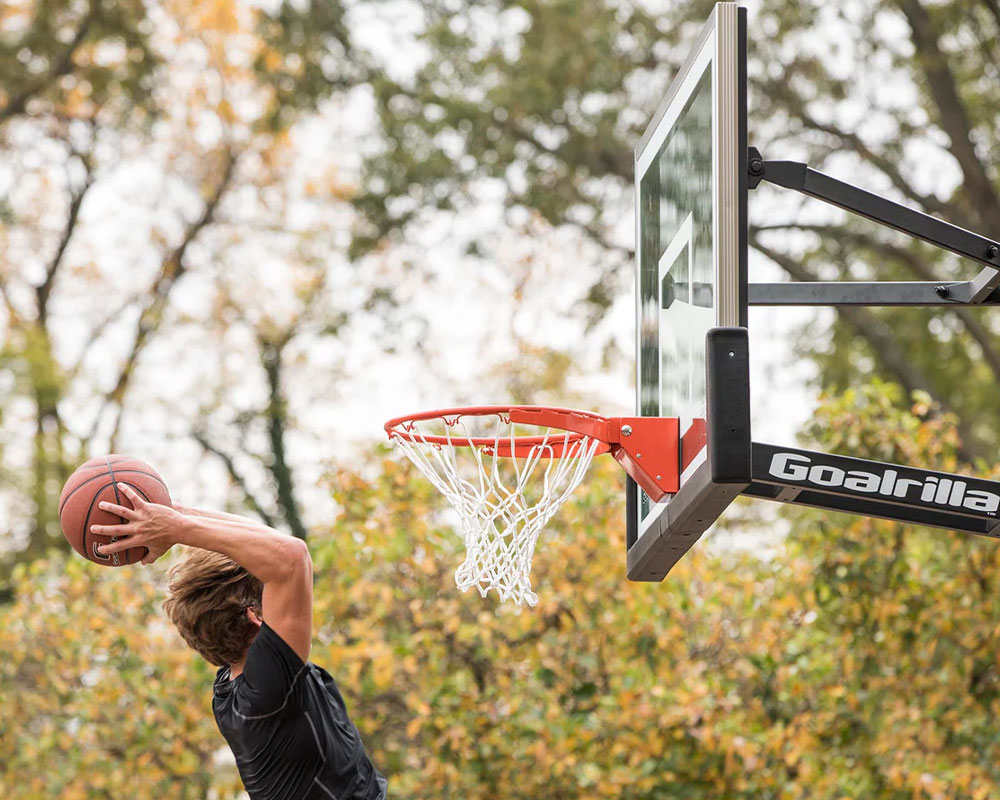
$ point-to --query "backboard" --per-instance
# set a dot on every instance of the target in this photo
(691, 290)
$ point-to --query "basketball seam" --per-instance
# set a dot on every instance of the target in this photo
(122, 472)
(86, 521)
(118, 458)
(155, 477)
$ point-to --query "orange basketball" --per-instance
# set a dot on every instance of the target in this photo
(94, 482)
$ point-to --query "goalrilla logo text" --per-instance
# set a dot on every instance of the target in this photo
(939, 491)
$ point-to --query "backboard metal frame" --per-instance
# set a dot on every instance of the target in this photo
(713, 476)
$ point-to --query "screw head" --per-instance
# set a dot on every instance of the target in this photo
(659, 477)
(992, 251)
(626, 430)
(638, 455)
(756, 167)
(941, 291)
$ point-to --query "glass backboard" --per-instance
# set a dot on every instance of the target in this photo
(690, 182)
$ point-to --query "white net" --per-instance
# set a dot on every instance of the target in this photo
(501, 508)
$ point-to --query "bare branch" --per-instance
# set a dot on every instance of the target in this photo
(797, 107)
(62, 67)
(48, 456)
(953, 115)
(44, 289)
(202, 439)
(172, 269)
(271, 356)
(96, 332)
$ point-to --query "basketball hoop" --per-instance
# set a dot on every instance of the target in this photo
(505, 484)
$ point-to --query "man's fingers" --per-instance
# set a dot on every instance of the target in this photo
(124, 543)
(132, 495)
(119, 531)
(117, 510)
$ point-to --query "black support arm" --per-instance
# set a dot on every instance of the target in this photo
(876, 293)
(798, 176)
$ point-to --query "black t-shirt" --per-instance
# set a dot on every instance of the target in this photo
(288, 727)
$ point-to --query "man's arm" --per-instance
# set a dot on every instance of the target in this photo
(280, 562)
(209, 514)
(155, 550)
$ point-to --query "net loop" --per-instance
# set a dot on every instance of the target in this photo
(503, 487)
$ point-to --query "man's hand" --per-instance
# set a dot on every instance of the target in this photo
(148, 525)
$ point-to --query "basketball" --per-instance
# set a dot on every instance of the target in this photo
(94, 482)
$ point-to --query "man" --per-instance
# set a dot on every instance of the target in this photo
(242, 597)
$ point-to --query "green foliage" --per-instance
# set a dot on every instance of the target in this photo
(307, 55)
(872, 421)
(859, 662)
(64, 54)
(99, 698)
(898, 670)
(530, 94)
(82, 84)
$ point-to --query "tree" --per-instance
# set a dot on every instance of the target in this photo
(105, 102)
(59, 100)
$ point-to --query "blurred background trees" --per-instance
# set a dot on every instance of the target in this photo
(146, 148)
(547, 100)
(235, 236)
(859, 662)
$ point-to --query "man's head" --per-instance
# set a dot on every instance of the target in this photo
(215, 604)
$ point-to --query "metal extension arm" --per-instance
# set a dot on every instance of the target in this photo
(867, 293)
(798, 176)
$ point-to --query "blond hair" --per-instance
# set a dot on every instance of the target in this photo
(208, 595)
